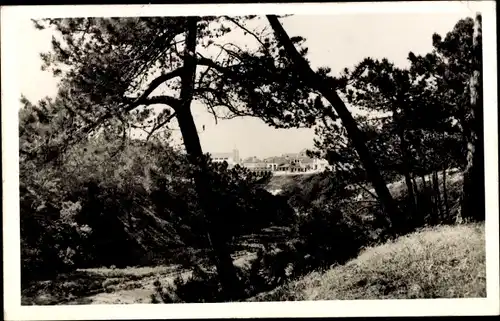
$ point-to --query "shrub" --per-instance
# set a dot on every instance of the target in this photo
(200, 287)
(51, 239)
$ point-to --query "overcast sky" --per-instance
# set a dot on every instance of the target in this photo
(333, 40)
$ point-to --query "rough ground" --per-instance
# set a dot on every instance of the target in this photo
(99, 286)
(106, 285)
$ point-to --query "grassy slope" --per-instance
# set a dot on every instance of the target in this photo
(442, 262)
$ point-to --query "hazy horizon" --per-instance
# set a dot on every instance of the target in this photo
(333, 41)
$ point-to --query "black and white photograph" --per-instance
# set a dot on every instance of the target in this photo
(218, 158)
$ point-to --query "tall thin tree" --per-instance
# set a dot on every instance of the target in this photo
(472, 205)
(355, 135)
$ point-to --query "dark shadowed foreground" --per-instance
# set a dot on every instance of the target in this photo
(439, 262)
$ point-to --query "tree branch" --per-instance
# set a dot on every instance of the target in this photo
(158, 81)
(162, 99)
(167, 100)
(203, 61)
(160, 125)
(214, 113)
(246, 30)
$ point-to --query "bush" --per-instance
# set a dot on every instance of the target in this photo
(330, 236)
(321, 238)
(54, 245)
(200, 287)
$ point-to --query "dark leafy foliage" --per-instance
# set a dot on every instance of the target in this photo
(109, 204)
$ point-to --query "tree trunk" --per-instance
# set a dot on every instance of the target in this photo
(444, 165)
(221, 254)
(354, 133)
(473, 196)
(424, 183)
(416, 189)
(406, 162)
(437, 197)
(445, 195)
(410, 189)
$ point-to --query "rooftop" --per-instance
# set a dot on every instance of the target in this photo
(221, 155)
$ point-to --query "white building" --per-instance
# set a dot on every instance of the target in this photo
(320, 164)
(230, 158)
(288, 163)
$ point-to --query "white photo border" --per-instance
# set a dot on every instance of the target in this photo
(10, 170)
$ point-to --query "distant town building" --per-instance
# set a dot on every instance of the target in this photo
(230, 158)
(258, 167)
(320, 164)
(285, 164)
(288, 163)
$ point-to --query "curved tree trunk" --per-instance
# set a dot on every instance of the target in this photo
(220, 251)
(473, 194)
(354, 133)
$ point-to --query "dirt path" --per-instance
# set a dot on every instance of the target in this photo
(117, 289)
(130, 292)
(138, 290)
(114, 285)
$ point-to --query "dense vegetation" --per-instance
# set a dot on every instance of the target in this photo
(92, 195)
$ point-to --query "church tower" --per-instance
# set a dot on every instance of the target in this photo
(236, 156)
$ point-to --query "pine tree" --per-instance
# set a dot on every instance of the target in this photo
(327, 90)
(122, 73)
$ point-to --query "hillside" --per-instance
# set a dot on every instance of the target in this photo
(439, 262)
(278, 182)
